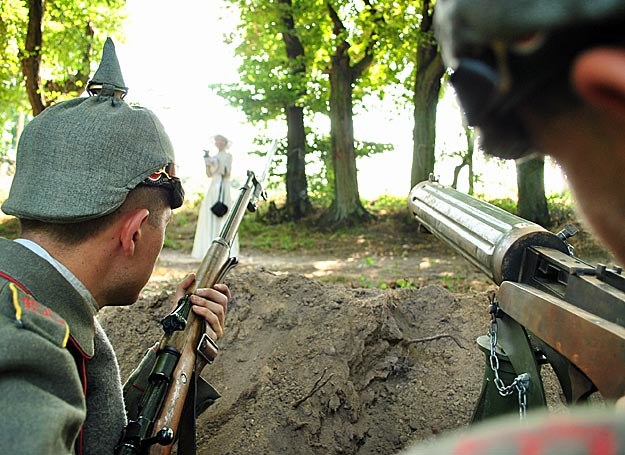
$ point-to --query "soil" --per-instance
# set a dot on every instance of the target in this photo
(319, 359)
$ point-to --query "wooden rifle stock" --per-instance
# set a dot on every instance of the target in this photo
(185, 348)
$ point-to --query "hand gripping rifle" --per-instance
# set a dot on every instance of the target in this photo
(551, 307)
(185, 348)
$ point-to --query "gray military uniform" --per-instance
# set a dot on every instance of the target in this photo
(55, 363)
(60, 390)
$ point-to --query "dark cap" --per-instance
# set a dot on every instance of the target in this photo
(501, 51)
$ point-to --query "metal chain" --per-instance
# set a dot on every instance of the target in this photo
(521, 382)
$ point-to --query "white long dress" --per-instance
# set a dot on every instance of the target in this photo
(218, 169)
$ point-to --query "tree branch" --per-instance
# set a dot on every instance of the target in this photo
(364, 63)
(338, 26)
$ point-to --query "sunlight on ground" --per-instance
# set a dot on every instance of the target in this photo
(324, 268)
(425, 264)
(325, 265)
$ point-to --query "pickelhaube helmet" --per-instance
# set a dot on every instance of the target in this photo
(78, 159)
(503, 51)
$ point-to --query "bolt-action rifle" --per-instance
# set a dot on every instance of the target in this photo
(185, 348)
(551, 307)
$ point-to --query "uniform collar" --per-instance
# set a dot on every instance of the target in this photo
(50, 288)
(69, 276)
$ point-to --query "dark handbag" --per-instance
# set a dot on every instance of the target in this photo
(219, 208)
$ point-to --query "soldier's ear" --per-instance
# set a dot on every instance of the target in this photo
(599, 78)
(130, 229)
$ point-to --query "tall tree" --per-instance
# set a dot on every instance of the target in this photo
(297, 202)
(274, 73)
(344, 70)
(46, 47)
(31, 55)
(427, 85)
(467, 158)
(531, 202)
(330, 76)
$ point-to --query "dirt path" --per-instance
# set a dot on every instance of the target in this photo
(435, 265)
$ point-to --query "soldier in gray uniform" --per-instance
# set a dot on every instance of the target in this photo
(94, 190)
(546, 76)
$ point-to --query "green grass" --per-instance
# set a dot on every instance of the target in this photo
(9, 227)
(385, 234)
(453, 283)
(560, 205)
(181, 228)
(255, 232)
(509, 205)
(398, 284)
(288, 236)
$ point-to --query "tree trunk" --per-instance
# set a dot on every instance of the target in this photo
(31, 57)
(532, 203)
(346, 209)
(467, 160)
(470, 135)
(297, 202)
(427, 86)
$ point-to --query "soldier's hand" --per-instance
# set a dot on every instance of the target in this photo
(211, 304)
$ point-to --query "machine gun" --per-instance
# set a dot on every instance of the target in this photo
(551, 307)
(156, 415)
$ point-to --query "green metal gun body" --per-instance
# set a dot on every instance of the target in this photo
(184, 348)
(572, 313)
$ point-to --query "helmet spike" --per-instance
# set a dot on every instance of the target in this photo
(108, 79)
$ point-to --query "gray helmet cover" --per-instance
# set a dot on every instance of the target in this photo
(78, 159)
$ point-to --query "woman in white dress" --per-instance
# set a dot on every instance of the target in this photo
(218, 169)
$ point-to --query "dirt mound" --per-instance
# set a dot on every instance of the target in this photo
(315, 368)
